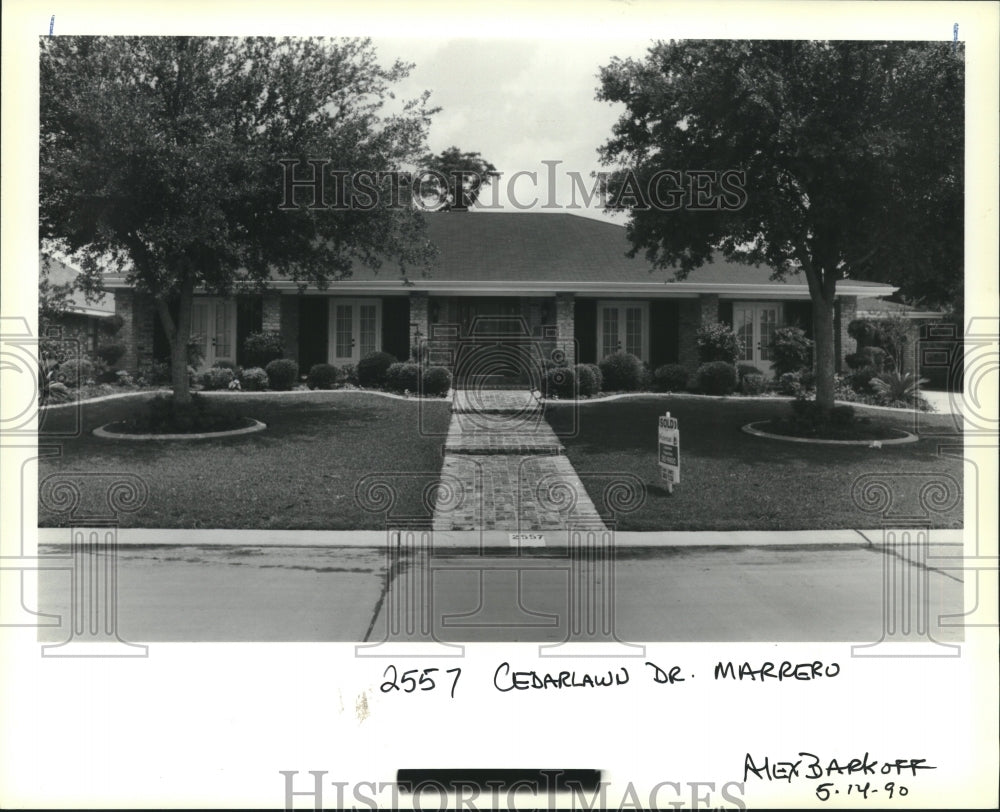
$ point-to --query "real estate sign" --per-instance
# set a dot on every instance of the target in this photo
(669, 452)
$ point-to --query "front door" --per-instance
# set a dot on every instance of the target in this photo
(755, 323)
(623, 326)
(355, 329)
(213, 330)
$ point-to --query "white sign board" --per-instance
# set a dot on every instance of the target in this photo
(669, 451)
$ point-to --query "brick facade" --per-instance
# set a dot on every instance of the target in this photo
(566, 325)
(137, 313)
(692, 314)
(420, 325)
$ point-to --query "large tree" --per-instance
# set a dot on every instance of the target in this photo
(452, 165)
(852, 154)
(161, 157)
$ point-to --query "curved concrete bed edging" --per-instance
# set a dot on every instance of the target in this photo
(749, 429)
(256, 426)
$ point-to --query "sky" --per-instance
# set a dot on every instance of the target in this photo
(518, 102)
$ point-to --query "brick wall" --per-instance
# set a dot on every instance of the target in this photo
(692, 313)
(419, 319)
(565, 325)
(137, 313)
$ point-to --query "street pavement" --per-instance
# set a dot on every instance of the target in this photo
(230, 593)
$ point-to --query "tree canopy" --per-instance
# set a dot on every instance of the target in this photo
(852, 154)
(475, 173)
(160, 156)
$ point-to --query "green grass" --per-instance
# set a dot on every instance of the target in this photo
(300, 473)
(732, 481)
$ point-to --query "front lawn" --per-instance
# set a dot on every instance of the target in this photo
(730, 480)
(300, 473)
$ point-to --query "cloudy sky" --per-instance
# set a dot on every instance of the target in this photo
(518, 102)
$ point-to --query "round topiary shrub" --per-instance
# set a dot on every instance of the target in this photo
(560, 382)
(216, 378)
(598, 375)
(260, 349)
(718, 342)
(742, 370)
(403, 377)
(322, 376)
(253, 379)
(76, 372)
(621, 371)
(716, 378)
(436, 381)
(373, 367)
(282, 374)
(871, 357)
(671, 378)
(586, 381)
(753, 384)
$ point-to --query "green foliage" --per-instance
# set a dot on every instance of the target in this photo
(155, 373)
(621, 371)
(598, 376)
(560, 382)
(742, 370)
(889, 333)
(348, 375)
(587, 384)
(282, 374)
(436, 382)
(791, 350)
(476, 173)
(796, 384)
(860, 380)
(373, 367)
(716, 378)
(322, 376)
(260, 349)
(76, 372)
(111, 354)
(753, 384)
(216, 378)
(718, 342)
(253, 379)
(671, 378)
(893, 389)
(403, 377)
(874, 357)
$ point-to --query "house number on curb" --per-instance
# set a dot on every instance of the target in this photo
(670, 451)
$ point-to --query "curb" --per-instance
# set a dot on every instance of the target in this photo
(749, 429)
(101, 431)
(495, 539)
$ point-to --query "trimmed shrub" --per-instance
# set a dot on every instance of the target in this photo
(621, 371)
(57, 393)
(753, 385)
(282, 374)
(155, 373)
(718, 342)
(111, 354)
(860, 380)
(671, 378)
(260, 349)
(216, 378)
(322, 376)
(254, 379)
(586, 381)
(373, 368)
(791, 350)
(560, 382)
(403, 377)
(742, 370)
(874, 357)
(716, 378)
(436, 381)
(76, 372)
(598, 376)
(124, 378)
(348, 375)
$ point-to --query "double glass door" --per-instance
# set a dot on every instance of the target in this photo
(755, 323)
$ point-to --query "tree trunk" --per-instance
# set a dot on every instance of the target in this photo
(822, 308)
(179, 335)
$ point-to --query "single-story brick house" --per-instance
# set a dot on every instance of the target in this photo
(567, 277)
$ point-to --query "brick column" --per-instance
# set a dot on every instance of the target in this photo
(288, 317)
(137, 313)
(693, 313)
(847, 311)
(566, 325)
(419, 318)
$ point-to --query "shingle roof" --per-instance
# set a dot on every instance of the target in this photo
(553, 247)
(59, 273)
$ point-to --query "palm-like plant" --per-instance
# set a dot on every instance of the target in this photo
(893, 387)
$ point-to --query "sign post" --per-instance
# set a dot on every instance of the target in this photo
(669, 451)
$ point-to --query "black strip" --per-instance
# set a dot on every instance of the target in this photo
(539, 781)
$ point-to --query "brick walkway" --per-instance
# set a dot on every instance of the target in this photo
(511, 468)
